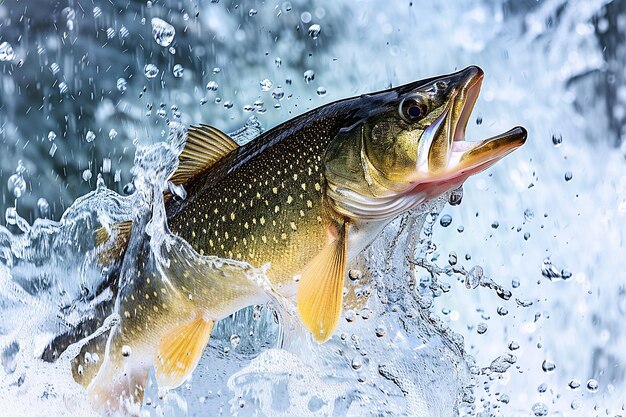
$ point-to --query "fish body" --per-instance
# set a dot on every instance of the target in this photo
(302, 200)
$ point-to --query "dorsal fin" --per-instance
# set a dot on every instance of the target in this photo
(205, 146)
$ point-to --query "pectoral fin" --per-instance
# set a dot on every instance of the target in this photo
(180, 350)
(320, 292)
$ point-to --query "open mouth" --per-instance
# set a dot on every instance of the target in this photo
(450, 155)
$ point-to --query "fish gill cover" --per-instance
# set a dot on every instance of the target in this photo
(511, 303)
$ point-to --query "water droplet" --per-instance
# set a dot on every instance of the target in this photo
(177, 190)
(126, 351)
(452, 258)
(456, 197)
(355, 274)
(54, 67)
(321, 91)
(122, 84)
(6, 52)
(44, 207)
(445, 220)
(540, 409)
(52, 136)
(309, 75)
(150, 71)
(473, 277)
(314, 30)
(10, 215)
(178, 71)
(212, 86)
(557, 139)
(549, 271)
(350, 316)
(568, 176)
(112, 134)
(548, 366)
(17, 185)
(357, 363)
(235, 340)
(266, 85)
(90, 136)
(278, 93)
(592, 385)
(574, 384)
(162, 32)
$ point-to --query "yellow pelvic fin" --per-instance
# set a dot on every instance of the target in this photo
(204, 147)
(180, 350)
(111, 250)
(320, 292)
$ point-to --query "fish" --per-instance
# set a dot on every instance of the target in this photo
(302, 200)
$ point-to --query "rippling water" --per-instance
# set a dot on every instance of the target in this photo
(517, 296)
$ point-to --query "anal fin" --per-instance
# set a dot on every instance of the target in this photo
(180, 350)
(320, 292)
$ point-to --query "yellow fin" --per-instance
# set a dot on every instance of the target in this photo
(204, 147)
(320, 292)
(180, 350)
(109, 252)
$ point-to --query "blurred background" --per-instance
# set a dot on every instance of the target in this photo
(83, 82)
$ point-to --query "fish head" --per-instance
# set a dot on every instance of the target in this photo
(408, 145)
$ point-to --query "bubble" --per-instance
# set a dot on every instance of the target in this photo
(63, 87)
(212, 86)
(380, 331)
(592, 385)
(456, 197)
(305, 17)
(452, 258)
(235, 340)
(124, 32)
(53, 149)
(17, 185)
(481, 328)
(252, 12)
(528, 215)
(178, 71)
(122, 84)
(110, 33)
(44, 207)
(309, 75)
(126, 351)
(568, 176)
(357, 363)
(266, 85)
(228, 104)
(548, 366)
(112, 134)
(355, 274)
(549, 271)
(575, 405)
(513, 345)
(350, 316)
(52, 136)
(278, 62)
(314, 30)
(90, 136)
(445, 220)
(97, 12)
(540, 409)
(502, 311)
(321, 91)
(557, 139)
(87, 175)
(54, 67)
(542, 388)
(150, 71)
(6, 52)
(162, 32)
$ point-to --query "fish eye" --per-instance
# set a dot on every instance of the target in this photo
(440, 85)
(412, 109)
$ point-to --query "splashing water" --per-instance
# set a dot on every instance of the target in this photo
(510, 303)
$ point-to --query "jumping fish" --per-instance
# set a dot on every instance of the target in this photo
(304, 198)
